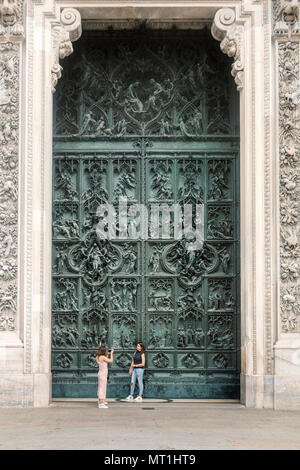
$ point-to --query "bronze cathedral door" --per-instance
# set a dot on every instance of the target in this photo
(146, 119)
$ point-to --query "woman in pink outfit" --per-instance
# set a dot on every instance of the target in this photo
(103, 360)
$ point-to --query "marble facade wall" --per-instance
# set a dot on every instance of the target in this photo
(262, 37)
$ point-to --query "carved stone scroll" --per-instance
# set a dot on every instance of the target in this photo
(63, 34)
(226, 29)
(71, 21)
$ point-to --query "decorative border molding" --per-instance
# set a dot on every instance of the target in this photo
(287, 33)
(11, 33)
(151, 24)
(9, 154)
(267, 16)
(289, 151)
(28, 301)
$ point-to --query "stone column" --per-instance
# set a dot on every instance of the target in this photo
(11, 43)
(11, 95)
(29, 70)
(265, 68)
(286, 36)
(244, 33)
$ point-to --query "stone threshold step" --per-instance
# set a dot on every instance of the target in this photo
(148, 400)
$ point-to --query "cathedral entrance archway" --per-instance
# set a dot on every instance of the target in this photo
(149, 118)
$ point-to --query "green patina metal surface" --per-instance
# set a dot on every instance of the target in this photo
(151, 117)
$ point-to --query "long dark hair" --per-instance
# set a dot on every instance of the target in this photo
(142, 346)
(102, 351)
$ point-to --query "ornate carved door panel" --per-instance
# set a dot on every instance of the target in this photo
(146, 118)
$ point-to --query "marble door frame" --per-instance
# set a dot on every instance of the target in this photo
(244, 30)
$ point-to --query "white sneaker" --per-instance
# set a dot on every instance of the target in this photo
(138, 398)
(102, 406)
(129, 398)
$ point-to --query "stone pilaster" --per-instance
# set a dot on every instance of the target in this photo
(11, 93)
(11, 38)
(28, 71)
(244, 35)
(287, 349)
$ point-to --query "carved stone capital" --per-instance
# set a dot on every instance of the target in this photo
(287, 18)
(226, 30)
(63, 34)
(11, 19)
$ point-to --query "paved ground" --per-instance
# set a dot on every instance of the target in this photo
(151, 425)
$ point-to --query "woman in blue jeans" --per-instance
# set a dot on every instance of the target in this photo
(137, 371)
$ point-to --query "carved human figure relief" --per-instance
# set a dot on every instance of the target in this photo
(152, 102)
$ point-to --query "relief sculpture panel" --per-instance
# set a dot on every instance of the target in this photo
(9, 144)
(157, 94)
(146, 121)
(289, 117)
